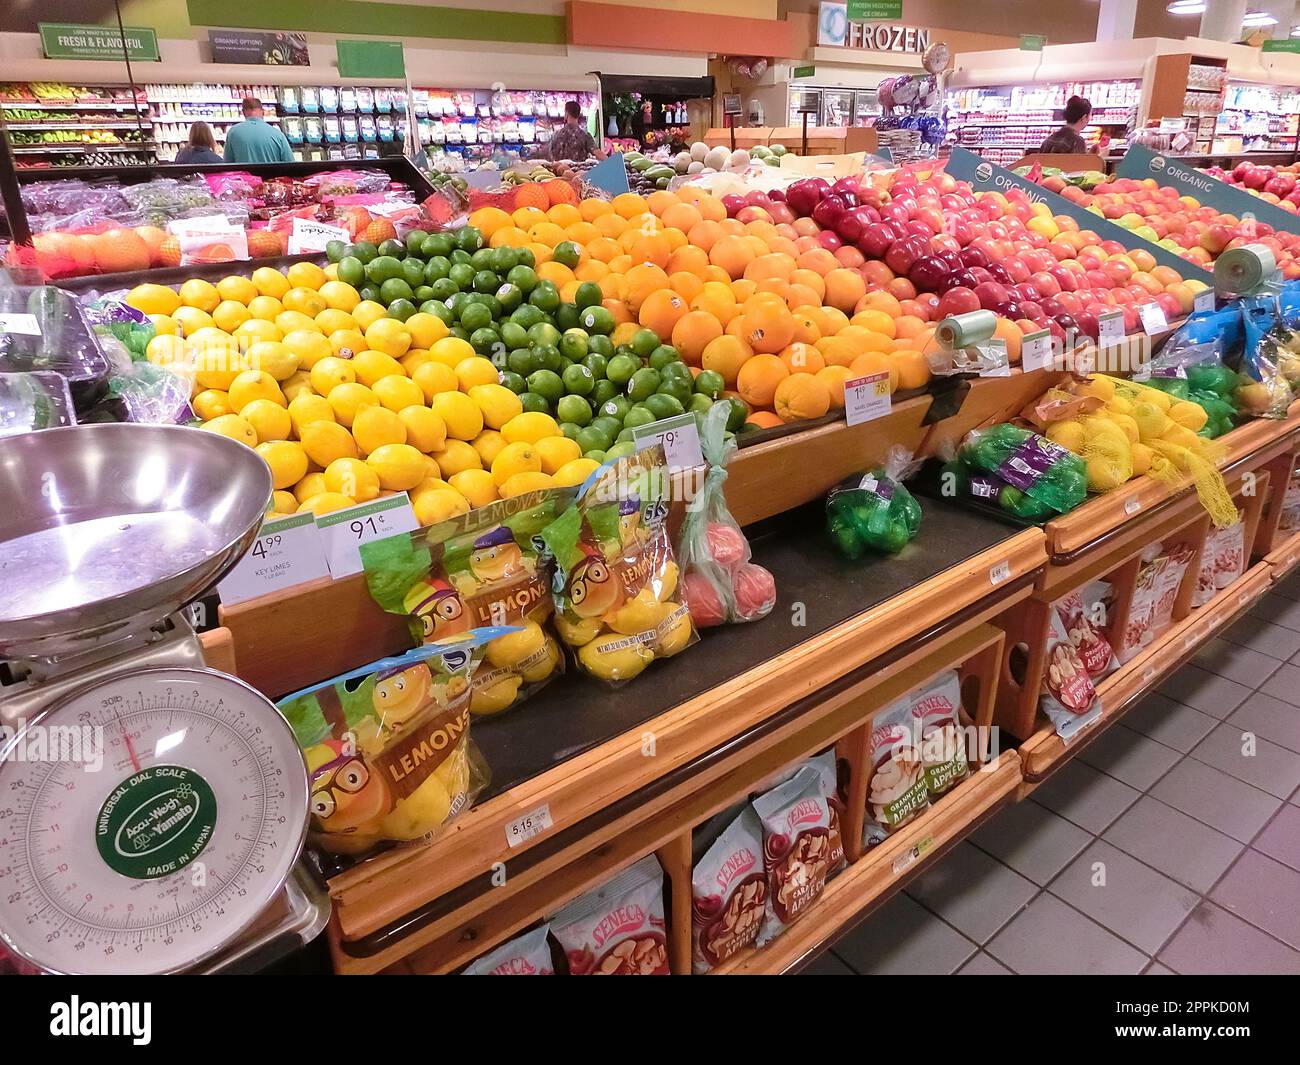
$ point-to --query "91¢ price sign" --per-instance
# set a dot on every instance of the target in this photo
(344, 531)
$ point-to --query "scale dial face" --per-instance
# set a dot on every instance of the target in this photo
(155, 849)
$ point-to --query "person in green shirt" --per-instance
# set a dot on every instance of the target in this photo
(254, 140)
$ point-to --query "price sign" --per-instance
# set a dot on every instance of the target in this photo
(287, 551)
(866, 398)
(532, 824)
(1036, 351)
(680, 437)
(309, 236)
(1153, 319)
(344, 531)
(1110, 328)
(1000, 573)
(1203, 301)
(26, 324)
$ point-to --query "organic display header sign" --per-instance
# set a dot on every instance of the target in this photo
(1288, 45)
(254, 47)
(864, 10)
(61, 40)
(988, 177)
(371, 59)
(1210, 192)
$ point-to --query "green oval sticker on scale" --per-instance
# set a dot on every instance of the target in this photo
(156, 822)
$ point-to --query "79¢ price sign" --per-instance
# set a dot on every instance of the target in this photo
(680, 437)
(344, 531)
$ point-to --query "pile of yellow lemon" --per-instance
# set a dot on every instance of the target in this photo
(346, 404)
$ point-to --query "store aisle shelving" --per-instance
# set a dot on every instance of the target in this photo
(1169, 845)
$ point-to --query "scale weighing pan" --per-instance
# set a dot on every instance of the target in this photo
(109, 525)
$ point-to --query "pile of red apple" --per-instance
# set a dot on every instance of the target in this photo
(1276, 184)
(1181, 224)
(941, 248)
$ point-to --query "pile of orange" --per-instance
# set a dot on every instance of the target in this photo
(785, 326)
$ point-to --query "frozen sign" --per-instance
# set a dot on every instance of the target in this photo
(835, 28)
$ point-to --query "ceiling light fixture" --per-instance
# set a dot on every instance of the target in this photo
(1256, 19)
(1186, 7)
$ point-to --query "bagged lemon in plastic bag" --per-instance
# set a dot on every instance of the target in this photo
(618, 599)
(486, 567)
(387, 746)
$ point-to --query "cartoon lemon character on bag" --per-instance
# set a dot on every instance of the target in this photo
(496, 556)
(440, 610)
(593, 590)
(346, 798)
(400, 694)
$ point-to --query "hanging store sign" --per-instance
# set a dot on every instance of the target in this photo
(836, 29)
(61, 40)
(864, 10)
(265, 49)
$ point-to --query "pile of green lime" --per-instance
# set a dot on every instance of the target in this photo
(557, 356)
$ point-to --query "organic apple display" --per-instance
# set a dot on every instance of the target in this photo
(927, 246)
(1183, 225)
(1277, 184)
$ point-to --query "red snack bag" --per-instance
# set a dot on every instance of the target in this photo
(618, 929)
(797, 848)
(728, 893)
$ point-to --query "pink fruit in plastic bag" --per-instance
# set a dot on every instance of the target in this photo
(702, 599)
(755, 590)
(727, 544)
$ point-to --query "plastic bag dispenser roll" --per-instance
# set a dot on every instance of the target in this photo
(1241, 271)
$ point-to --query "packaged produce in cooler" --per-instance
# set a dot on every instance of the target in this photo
(728, 892)
(387, 746)
(617, 595)
(897, 791)
(619, 928)
(719, 582)
(30, 401)
(1271, 357)
(797, 855)
(874, 510)
(525, 955)
(43, 330)
(480, 568)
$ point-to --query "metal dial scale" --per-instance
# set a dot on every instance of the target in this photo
(152, 810)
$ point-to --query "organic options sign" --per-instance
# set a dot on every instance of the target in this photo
(66, 41)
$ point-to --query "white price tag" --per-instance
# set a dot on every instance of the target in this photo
(208, 223)
(1110, 328)
(1036, 351)
(996, 349)
(1203, 301)
(25, 324)
(309, 236)
(1000, 573)
(866, 398)
(287, 551)
(532, 824)
(345, 531)
(913, 854)
(1132, 505)
(680, 437)
(1153, 319)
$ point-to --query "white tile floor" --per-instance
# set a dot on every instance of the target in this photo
(1170, 845)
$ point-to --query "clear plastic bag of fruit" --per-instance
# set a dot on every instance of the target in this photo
(1271, 352)
(486, 567)
(719, 582)
(1046, 472)
(874, 510)
(618, 599)
(387, 746)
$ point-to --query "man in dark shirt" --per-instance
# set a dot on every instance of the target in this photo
(1067, 139)
(572, 141)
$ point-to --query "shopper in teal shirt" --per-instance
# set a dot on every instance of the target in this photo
(254, 140)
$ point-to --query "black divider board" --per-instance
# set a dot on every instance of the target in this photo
(576, 713)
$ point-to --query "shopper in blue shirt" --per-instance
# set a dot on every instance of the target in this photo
(254, 140)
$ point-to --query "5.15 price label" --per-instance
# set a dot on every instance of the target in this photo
(344, 531)
(287, 551)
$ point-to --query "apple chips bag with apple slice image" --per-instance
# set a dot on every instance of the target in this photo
(796, 848)
(728, 891)
(897, 791)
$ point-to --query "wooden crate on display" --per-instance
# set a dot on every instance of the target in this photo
(846, 724)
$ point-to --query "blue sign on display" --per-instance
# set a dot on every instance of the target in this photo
(988, 177)
(1142, 163)
(609, 174)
